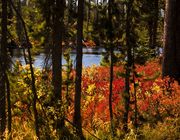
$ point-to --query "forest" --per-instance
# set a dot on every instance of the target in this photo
(90, 70)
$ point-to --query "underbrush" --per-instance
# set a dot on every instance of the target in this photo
(167, 130)
(158, 104)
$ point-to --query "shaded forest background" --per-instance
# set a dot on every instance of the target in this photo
(133, 94)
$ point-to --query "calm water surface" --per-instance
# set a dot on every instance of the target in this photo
(89, 58)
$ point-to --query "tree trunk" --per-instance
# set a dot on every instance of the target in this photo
(153, 25)
(8, 104)
(88, 15)
(57, 50)
(110, 9)
(58, 26)
(77, 104)
(171, 61)
(111, 92)
(19, 23)
(129, 64)
(96, 12)
(2, 102)
(3, 66)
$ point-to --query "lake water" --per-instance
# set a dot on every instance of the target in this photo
(90, 57)
(88, 60)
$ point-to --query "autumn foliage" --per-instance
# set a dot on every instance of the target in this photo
(157, 99)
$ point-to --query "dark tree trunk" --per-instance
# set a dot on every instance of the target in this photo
(171, 61)
(58, 26)
(88, 15)
(9, 104)
(111, 93)
(153, 24)
(97, 11)
(19, 26)
(46, 11)
(77, 104)
(2, 102)
(57, 49)
(10, 13)
(19, 23)
(3, 66)
(129, 64)
(33, 87)
(135, 92)
(110, 12)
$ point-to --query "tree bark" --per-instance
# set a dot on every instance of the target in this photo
(110, 14)
(77, 104)
(57, 48)
(88, 15)
(58, 26)
(3, 67)
(171, 60)
(8, 104)
(19, 23)
(128, 65)
(153, 25)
